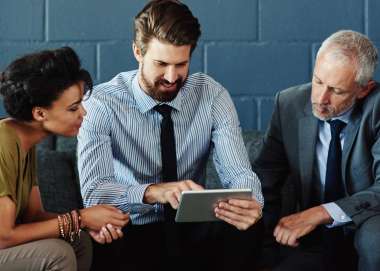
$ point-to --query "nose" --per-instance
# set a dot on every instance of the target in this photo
(324, 95)
(171, 74)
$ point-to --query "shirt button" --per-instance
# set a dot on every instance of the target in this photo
(342, 217)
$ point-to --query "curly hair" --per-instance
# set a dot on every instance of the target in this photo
(166, 20)
(38, 79)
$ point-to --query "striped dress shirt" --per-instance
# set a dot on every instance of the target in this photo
(119, 152)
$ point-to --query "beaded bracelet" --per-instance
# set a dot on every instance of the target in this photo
(60, 226)
(69, 226)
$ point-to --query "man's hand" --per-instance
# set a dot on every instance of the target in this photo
(290, 228)
(169, 192)
(240, 213)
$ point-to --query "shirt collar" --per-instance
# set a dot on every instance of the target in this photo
(145, 102)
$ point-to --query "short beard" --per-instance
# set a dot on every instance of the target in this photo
(331, 111)
(153, 89)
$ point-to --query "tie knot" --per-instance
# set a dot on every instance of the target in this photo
(336, 127)
(164, 109)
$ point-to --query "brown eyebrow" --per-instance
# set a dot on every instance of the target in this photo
(75, 103)
(163, 62)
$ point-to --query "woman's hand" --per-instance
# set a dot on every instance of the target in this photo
(96, 217)
(107, 234)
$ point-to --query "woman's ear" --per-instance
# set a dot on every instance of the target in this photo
(39, 113)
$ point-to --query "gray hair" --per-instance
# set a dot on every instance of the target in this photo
(348, 44)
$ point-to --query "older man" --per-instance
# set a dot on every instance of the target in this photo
(324, 137)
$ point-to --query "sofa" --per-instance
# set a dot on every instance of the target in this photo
(58, 176)
(60, 189)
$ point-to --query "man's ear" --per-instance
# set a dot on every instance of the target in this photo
(137, 53)
(39, 113)
(371, 85)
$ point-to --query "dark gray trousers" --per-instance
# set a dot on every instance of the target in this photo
(359, 251)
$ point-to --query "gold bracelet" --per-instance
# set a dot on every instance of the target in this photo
(70, 230)
(60, 227)
(74, 234)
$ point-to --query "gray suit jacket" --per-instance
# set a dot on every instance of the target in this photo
(288, 152)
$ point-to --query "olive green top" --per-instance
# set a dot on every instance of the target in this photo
(17, 169)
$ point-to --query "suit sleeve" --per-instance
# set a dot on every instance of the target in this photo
(366, 203)
(271, 165)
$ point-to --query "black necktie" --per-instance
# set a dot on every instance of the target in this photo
(168, 153)
(333, 238)
(334, 184)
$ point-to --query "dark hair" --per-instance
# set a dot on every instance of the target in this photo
(39, 79)
(166, 20)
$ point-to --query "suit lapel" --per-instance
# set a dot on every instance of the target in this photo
(307, 134)
(351, 132)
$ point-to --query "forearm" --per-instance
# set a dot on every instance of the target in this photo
(128, 198)
(39, 216)
(24, 233)
(35, 211)
(231, 159)
(234, 169)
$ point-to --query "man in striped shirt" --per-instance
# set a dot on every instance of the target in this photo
(119, 153)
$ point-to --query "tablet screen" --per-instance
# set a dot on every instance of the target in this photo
(198, 206)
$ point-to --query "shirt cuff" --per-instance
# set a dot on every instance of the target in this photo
(339, 217)
(135, 195)
(256, 189)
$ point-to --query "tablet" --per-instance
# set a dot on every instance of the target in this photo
(198, 206)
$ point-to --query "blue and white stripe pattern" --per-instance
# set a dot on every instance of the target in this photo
(119, 143)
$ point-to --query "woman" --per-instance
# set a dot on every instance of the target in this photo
(42, 93)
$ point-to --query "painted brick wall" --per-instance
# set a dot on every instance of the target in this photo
(253, 47)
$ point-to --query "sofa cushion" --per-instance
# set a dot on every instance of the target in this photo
(47, 144)
(66, 144)
(252, 141)
(58, 181)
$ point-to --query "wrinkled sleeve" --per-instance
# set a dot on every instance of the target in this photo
(95, 163)
(230, 155)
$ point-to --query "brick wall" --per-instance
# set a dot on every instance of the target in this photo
(253, 47)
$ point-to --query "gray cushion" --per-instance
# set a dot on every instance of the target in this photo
(47, 144)
(252, 141)
(57, 181)
(66, 144)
